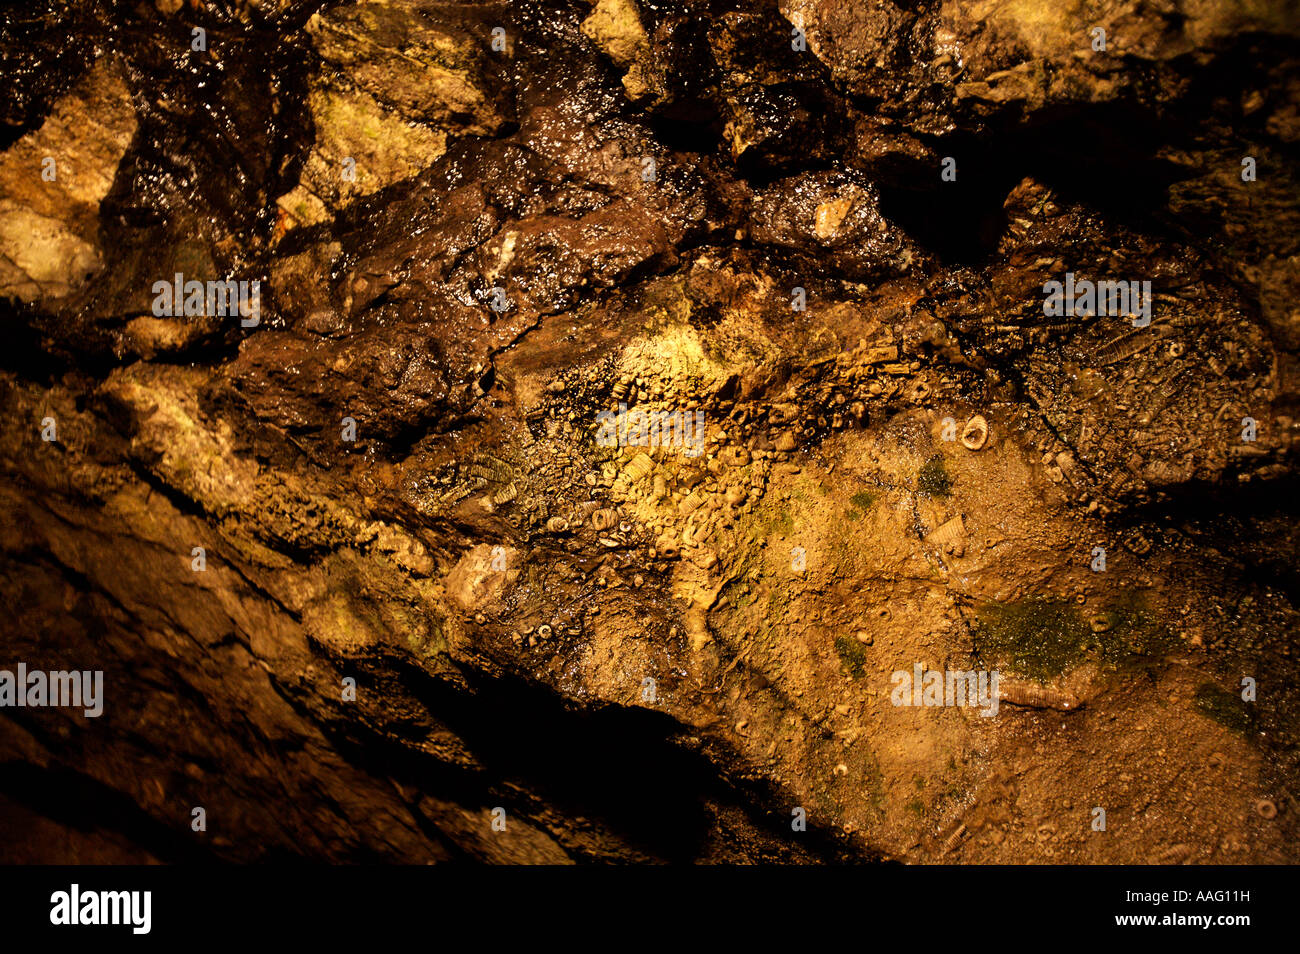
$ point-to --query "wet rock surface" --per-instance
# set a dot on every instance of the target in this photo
(361, 567)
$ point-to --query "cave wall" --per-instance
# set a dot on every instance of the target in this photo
(356, 560)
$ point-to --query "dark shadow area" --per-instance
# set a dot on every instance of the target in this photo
(616, 765)
(1102, 157)
(82, 803)
(1227, 516)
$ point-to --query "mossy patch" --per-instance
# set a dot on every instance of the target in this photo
(873, 783)
(769, 518)
(781, 521)
(1038, 637)
(862, 502)
(933, 478)
(853, 656)
(1042, 638)
(1223, 706)
(1135, 633)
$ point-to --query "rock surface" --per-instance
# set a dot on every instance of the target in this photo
(364, 577)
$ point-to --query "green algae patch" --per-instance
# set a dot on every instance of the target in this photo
(769, 518)
(1038, 637)
(933, 478)
(1223, 706)
(862, 502)
(1042, 637)
(779, 521)
(1135, 634)
(853, 656)
(873, 783)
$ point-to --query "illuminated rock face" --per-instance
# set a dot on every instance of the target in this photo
(636, 394)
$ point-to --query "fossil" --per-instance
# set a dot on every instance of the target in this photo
(1036, 697)
(975, 434)
(566, 462)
